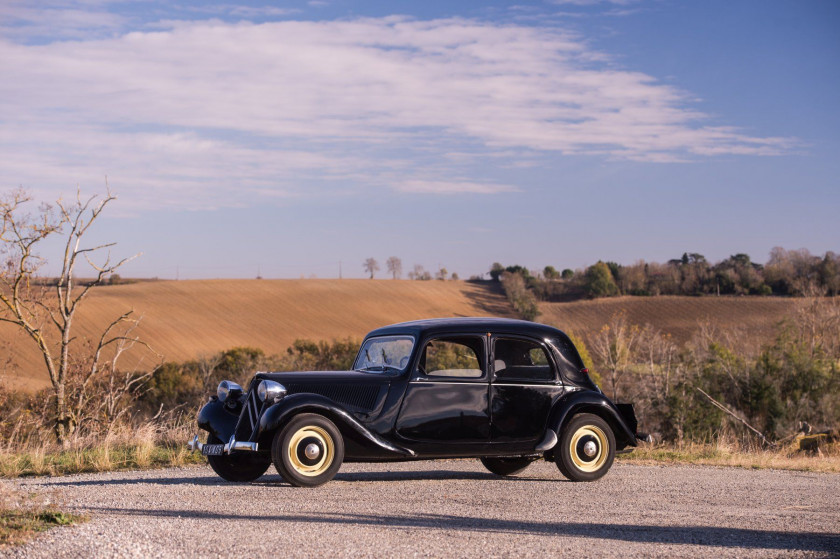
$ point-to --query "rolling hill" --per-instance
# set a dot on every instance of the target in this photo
(187, 319)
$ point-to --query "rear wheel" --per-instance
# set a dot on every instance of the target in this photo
(241, 466)
(586, 449)
(506, 466)
(308, 451)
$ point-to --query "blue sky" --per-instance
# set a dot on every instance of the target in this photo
(284, 138)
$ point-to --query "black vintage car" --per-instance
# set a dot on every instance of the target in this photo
(505, 391)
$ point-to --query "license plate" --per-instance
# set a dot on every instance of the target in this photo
(213, 449)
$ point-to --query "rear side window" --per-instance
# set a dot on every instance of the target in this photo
(570, 362)
(458, 357)
(521, 360)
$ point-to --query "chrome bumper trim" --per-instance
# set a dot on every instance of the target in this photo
(232, 444)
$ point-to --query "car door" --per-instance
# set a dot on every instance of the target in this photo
(523, 388)
(446, 400)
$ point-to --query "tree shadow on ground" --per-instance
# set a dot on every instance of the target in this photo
(712, 536)
(270, 478)
(489, 297)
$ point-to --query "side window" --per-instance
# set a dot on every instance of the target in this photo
(521, 360)
(459, 357)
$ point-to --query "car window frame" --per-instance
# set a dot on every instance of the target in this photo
(417, 375)
(521, 380)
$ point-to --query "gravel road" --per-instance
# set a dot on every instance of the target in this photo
(447, 508)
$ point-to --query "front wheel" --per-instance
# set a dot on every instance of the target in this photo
(242, 466)
(308, 451)
(587, 448)
(505, 466)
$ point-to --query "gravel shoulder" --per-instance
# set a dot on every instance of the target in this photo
(442, 508)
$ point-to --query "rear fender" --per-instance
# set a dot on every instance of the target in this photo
(280, 413)
(585, 401)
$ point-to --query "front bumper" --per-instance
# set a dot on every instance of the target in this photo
(227, 448)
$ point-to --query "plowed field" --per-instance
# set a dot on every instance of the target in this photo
(187, 319)
(755, 317)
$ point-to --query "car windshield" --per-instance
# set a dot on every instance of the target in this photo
(384, 353)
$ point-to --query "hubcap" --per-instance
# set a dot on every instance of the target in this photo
(588, 448)
(311, 450)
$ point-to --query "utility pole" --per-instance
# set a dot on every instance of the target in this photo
(339, 269)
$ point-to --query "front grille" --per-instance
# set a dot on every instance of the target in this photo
(249, 418)
(362, 396)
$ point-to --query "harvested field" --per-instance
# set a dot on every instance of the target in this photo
(755, 317)
(187, 319)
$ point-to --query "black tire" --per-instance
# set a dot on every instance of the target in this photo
(242, 466)
(579, 460)
(506, 466)
(308, 431)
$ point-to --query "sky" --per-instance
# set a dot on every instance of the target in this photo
(296, 139)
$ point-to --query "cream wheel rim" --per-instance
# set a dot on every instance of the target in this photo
(584, 457)
(311, 451)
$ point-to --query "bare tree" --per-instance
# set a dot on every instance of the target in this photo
(614, 346)
(394, 265)
(371, 266)
(44, 311)
(418, 273)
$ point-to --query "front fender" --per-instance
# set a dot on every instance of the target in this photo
(278, 414)
(217, 420)
(585, 401)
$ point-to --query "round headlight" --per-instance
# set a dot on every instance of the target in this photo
(228, 389)
(268, 390)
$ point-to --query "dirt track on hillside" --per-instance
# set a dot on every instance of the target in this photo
(447, 508)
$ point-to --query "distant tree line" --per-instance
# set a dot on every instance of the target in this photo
(786, 273)
(394, 265)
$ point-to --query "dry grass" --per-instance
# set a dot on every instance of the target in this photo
(145, 447)
(827, 460)
(184, 320)
(22, 515)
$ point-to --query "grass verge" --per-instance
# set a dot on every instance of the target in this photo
(106, 458)
(827, 460)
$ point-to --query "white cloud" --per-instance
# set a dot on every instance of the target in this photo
(196, 114)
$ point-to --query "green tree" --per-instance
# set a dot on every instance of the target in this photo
(496, 271)
(599, 281)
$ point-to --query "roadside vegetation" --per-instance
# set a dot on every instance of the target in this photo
(824, 458)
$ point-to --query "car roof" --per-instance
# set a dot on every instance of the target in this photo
(434, 326)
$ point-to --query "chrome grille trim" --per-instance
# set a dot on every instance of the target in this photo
(249, 417)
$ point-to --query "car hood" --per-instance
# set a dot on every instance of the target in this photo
(355, 390)
(327, 377)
